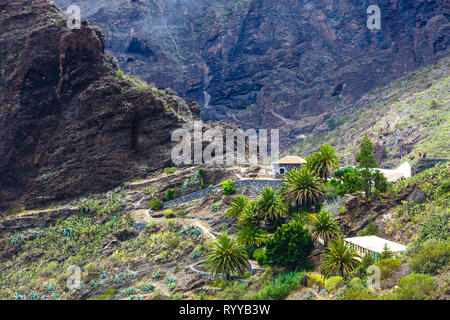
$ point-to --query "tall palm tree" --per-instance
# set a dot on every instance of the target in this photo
(251, 235)
(324, 162)
(301, 187)
(325, 227)
(236, 207)
(339, 259)
(271, 206)
(250, 214)
(227, 257)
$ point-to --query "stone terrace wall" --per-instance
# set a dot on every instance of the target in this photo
(254, 187)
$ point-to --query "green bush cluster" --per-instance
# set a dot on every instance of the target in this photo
(290, 246)
(281, 286)
(333, 283)
(431, 258)
(228, 187)
(388, 267)
(155, 204)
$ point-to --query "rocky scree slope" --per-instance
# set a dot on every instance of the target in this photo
(271, 64)
(70, 122)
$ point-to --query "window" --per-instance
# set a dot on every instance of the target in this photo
(282, 170)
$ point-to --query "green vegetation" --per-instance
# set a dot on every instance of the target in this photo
(227, 257)
(237, 207)
(280, 287)
(301, 188)
(155, 204)
(339, 259)
(290, 246)
(416, 287)
(228, 187)
(325, 227)
(170, 170)
(324, 162)
(271, 206)
(431, 258)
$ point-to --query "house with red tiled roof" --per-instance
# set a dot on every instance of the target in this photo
(280, 167)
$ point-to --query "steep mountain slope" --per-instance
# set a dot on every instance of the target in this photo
(270, 64)
(70, 122)
(403, 118)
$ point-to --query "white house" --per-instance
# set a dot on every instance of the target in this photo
(403, 171)
(373, 245)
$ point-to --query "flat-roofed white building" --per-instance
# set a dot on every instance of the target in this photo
(373, 245)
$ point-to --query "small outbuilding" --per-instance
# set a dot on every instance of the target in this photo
(280, 167)
(374, 245)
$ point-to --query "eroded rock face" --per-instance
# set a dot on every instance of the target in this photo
(271, 64)
(68, 124)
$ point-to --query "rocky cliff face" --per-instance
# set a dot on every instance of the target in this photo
(271, 64)
(70, 123)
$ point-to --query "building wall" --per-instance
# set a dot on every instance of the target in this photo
(277, 168)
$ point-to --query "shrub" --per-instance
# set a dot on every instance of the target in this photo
(260, 256)
(176, 193)
(339, 173)
(358, 294)
(431, 258)
(333, 283)
(119, 74)
(316, 278)
(111, 206)
(290, 246)
(356, 283)
(155, 204)
(170, 170)
(416, 287)
(228, 187)
(366, 262)
(281, 286)
(168, 213)
(370, 230)
(444, 187)
(169, 194)
(234, 291)
(89, 206)
(388, 267)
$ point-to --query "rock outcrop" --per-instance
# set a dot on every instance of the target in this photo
(271, 64)
(70, 122)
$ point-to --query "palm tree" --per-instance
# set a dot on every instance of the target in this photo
(250, 214)
(301, 187)
(339, 259)
(324, 162)
(251, 235)
(271, 206)
(236, 207)
(325, 227)
(227, 257)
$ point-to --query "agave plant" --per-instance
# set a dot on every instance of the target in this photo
(325, 227)
(227, 257)
(339, 259)
(324, 162)
(301, 187)
(271, 206)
